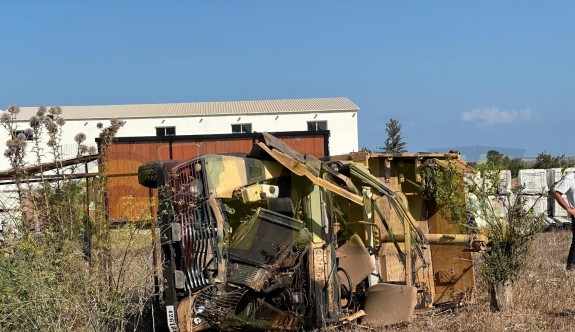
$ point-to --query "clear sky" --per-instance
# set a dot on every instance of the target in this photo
(454, 73)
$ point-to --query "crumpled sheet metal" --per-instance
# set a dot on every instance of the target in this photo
(355, 260)
(388, 304)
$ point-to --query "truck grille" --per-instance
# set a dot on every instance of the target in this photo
(198, 225)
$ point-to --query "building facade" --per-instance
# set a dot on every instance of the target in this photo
(336, 115)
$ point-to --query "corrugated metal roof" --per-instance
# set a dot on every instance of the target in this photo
(200, 109)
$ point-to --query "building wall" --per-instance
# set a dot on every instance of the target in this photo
(128, 198)
(342, 126)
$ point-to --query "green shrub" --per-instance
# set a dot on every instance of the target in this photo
(62, 268)
(510, 237)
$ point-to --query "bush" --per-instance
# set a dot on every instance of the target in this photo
(61, 267)
(510, 237)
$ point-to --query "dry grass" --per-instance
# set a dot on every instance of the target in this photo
(544, 297)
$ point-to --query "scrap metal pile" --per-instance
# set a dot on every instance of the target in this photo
(279, 240)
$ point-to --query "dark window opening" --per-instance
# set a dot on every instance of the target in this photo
(316, 125)
(165, 131)
(242, 128)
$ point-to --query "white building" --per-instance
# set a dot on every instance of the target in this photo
(338, 115)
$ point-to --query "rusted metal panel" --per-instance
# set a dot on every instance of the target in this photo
(129, 200)
(355, 259)
(190, 149)
(455, 259)
(126, 157)
(388, 304)
(127, 154)
(391, 267)
(400, 172)
(314, 146)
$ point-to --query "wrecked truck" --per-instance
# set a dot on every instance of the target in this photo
(279, 240)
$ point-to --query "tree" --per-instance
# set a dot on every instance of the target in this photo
(496, 158)
(515, 165)
(545, 160)
(394, 142)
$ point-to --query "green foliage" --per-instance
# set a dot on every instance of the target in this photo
(545, 160)
(515, 165)
(61, 270)
(510, 241)
(510, 238)
(445, 185)
(46, 285)
(495, 159)
(394, 142)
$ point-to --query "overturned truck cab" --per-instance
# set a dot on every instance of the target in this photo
(278, 240)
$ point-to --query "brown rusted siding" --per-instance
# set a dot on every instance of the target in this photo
(127, 157)
(128, 201)
(191, 149)
(308, 145)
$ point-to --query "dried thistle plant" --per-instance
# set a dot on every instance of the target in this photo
(45, 282)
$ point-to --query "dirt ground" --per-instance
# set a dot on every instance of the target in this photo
(543, 297)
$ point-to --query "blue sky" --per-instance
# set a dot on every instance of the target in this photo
(454, 73)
